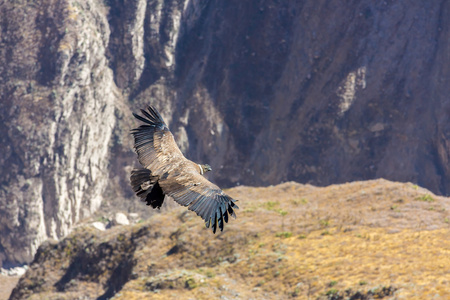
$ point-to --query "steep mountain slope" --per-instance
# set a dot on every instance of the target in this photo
(57, 115)
(361, 240)
(264, 91)
(319, 92)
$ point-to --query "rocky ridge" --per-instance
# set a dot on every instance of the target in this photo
(361, 240)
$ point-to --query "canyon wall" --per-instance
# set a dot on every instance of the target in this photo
(318, 92)
(57, 116)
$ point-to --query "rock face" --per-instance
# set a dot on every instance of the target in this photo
(262, 91)
(319, 92)
(57, 115)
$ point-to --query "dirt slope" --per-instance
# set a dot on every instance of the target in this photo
(363, 240)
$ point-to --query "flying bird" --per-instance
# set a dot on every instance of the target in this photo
(167, 172)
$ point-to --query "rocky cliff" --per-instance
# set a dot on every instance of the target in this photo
(57, 116)
(319, 92)
(263, 91)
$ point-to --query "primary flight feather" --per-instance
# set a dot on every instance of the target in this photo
(167, 172)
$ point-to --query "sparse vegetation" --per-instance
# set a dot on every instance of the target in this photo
(103, 219)
(190, 283)
(210, 274)
(282, 212)
(284, 234)
(299, 201)
(324, 223)
(270, 205)
(249, 210)
(426, 198)
(332, 283)
(306, 260)
(331, 292)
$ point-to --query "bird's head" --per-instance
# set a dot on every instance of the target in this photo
(206, 168)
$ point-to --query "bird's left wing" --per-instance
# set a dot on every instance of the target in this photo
(207, 200)
(154, 143)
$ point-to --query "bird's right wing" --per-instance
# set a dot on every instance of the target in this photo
(207, 200)
(154, 143)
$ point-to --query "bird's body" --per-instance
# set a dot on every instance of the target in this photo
(167, 172)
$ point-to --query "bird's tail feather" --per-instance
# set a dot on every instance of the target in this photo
(146, 187)
(140, 178)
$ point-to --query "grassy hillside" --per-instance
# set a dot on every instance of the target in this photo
(360, 240)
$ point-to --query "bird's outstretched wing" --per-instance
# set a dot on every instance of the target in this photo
(207, 200)
(178, 177)
(154, 143)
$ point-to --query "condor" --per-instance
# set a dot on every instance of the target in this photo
(167, 172)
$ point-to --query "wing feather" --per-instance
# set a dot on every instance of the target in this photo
(207, 200)
(154, 143)
(225, 216)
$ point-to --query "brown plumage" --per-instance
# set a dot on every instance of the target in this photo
(167, 172)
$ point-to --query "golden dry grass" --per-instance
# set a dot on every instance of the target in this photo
(378, 238)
